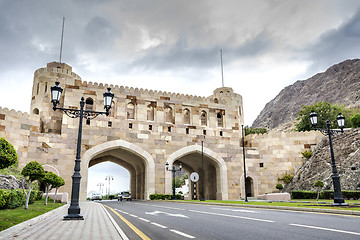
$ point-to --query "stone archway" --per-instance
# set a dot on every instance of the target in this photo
(254, 184)
(142, 171)
(219, 173)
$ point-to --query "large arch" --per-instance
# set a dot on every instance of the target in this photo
(221, 168)
(99, 153)
(254, 182)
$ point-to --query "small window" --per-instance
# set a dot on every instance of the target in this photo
(37, 90)
(130, 109)
(187, 131)
(46, 87)
(169, 129)
(36, 111)
(204, 132)
(203, 118)
(130, 125)
(89, 104)
(168, 114)
(186, 116)
(261, 164)
(87, 121)
(150, 127)
(216, 100)
(109, 124)
(221, 133)
(150, 112)
(219, 117)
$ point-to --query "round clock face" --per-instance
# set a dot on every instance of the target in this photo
(194, 177)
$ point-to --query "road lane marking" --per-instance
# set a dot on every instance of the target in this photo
(155, 213)
(236, 210)
(135, 229)
(326, 229)
(181, 233)
(233, 216)
(133, 215)
(168, 207)
(158, 225)
(120, 231)
(143, 219)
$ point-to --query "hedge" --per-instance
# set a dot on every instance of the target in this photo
(15, 198)
(327, 194)
(164, 196)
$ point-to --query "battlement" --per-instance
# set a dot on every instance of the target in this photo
(57, 70)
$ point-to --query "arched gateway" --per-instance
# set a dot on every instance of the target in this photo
(136, 160)
(214, 178)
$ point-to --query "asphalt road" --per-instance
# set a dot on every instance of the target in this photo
(167, 220)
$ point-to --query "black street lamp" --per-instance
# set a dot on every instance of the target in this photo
(203, 172)
(338, 198)
(74, 209)
(173, 170)
(243, 143)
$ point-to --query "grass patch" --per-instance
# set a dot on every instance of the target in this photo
(11, 217)
(303, 203)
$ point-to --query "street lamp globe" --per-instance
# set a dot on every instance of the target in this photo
(341, 121)
(56, 93)
(167, 166)
(108, 97)
(180, 166)
(313, 118)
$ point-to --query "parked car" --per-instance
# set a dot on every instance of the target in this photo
(124, 196)
(96, 196)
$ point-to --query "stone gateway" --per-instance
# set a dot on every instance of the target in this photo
(146, 129)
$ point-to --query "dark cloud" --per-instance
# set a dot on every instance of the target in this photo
(336, 45)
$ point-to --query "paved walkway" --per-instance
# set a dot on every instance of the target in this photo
(97, 225)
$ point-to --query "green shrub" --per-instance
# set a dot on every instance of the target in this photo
(8, 154)
(17, 199)
(307, 154)
(279, 186)
(286, 178)
(303, 195)
(4, 198)
(163, 196)
(327, 194)
(355, 120)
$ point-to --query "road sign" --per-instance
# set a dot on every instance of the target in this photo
(194, 177)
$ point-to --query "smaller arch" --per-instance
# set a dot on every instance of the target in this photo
(219, 117)
(36, 111)
(254, 186)
(49, 168)
(203, 118)
(113, 109)
(186, 116)
(89, 104)
(130, 110)
(168, 114)
(216, 100)
(150, 113)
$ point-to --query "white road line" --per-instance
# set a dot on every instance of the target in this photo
(181, 233)
(236, 210)
(326, 229)
(133, 215)
(233, 216)
(168, 207)
(120, 231)
(141, 203)
(158, 225)
(143, 219)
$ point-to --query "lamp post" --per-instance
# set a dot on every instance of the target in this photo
(109, 178)
(203, 172)
(173, 170)
(338, 198)
(100, 184)
(74, 209)
(243, 143)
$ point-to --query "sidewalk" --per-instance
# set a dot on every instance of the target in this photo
(97, 224)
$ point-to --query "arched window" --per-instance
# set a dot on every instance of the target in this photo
(89, 104)
(130, 109)
(186, 116)
(219, 117)
(150, 112)
(216, 100)
(203, 118)
(168, 114)
(112, 109)
(36, 111)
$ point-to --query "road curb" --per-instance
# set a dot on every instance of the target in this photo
(29, 222)
(297, 209)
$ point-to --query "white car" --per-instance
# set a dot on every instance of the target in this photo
(96, 196)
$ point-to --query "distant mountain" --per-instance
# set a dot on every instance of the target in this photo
(339, 84)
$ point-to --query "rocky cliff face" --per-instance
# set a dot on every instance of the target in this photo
(339, 84)
(318, 167)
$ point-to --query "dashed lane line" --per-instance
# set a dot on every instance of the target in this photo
(325, 229)
(236, 210)
(158, 225)
(181, 233)
(143, 219)
(135, 229)
(168, 207)
(233, 216)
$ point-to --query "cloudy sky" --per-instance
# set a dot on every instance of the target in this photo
(174, 46)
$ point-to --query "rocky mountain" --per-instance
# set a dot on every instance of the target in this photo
(318, 167)
(339, 84)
